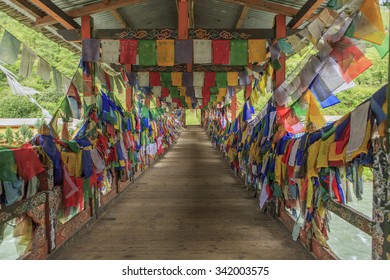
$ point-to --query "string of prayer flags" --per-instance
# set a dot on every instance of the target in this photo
(147, 52)
(221, 50)
(9, 48)
(128, 51)
(202, 51)
(257, 50)
(183, 51)
(91, 50)
(165, 52)
(110, 51)
(238, 52)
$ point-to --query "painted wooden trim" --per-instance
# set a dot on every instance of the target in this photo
(350, 215)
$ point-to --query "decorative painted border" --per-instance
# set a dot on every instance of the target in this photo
(22, 207)
(66, 231)
(216, 68)
(350, 215)
(146, 34)
(176, 68)
(216, 34)
(381, 201)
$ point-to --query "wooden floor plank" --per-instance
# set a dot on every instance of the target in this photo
(188, 206)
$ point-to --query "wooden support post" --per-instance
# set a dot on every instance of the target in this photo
(280, 32)
(129, 90)
(234, 105)
(86, 34)
(183, 24)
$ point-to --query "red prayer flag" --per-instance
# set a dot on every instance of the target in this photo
(165, 92)
(128, 53)
(221, 51)
(154, 79)
(209, 79)
(206, 93)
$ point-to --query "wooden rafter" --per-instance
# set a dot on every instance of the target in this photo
(58, 14)
(266, 6)
(191, 13)
(27, 6)
(90, 9)
(304, 13)
(241, 19)
(119, 18)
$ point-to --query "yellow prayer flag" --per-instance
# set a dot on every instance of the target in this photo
(176, 78)
(182, 91)
(232, 79)
(257, 50)
(165, 52)
(370, 26)
(314, 115)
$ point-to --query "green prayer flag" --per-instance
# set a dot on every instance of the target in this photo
(9, 48)
(213, 90)
(7, 165)
(166, 79)
(285, 47)
(174, 92)
(383, 49)
(87, 189)
(147, 52)
(221, 79)
(238, 52)
(213, 97)
(66, 112)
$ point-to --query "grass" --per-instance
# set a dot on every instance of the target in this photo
(193, 117)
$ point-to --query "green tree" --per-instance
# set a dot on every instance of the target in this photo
(9, 138)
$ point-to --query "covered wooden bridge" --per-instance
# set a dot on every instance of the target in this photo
(134, 183)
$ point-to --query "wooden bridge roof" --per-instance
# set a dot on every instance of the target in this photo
(49, 17)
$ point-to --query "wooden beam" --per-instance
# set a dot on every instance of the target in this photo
(119, 18)
(54, 11)
(241, 19)
(304, 13)
(158, 34)
(28, 7)
(266, 6)
(183, 19)
(89, 10)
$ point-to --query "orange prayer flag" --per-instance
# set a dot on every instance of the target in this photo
(165, 52)
(257, 50)
(232, 78)
(177, 78)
